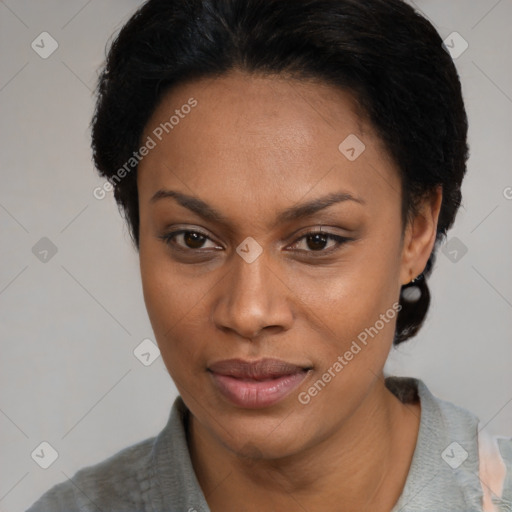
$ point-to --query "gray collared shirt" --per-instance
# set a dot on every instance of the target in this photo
(156, 475)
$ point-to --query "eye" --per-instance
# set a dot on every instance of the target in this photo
(314, 241)
(187, 239)
(318, 241)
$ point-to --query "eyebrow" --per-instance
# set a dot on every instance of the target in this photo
(296, 212)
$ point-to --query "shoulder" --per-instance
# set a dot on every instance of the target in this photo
(481, 462)
(456, 465)
(120, 482)
(154, 474)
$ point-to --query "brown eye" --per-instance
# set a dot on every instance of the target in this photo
(187, 240)
(320, 242)
(193, 240)
(316, 241)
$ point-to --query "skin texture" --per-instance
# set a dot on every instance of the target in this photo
(252, 147)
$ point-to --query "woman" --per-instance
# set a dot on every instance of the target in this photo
(287, 170)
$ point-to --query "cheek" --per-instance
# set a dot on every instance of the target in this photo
(352, 349)
(167, 296)
(349, 298)
(167, 308)
(176, 311)
(355, 310)
(162, 300)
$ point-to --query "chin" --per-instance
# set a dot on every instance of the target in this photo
(260, 435)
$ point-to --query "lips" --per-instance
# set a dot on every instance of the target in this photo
(256, 384)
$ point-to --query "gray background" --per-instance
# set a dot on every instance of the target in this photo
(69, 325)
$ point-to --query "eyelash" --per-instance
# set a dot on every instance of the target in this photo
(340, 240)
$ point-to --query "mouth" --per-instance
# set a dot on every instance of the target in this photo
(256, 384)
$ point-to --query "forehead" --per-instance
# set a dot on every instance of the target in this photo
(270, 138)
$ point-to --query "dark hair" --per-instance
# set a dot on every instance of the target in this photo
(386, 54)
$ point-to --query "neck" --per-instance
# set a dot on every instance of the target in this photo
(350, 468)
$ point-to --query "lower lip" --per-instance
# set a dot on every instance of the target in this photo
(253, 394)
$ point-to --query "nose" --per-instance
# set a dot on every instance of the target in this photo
(252, 299)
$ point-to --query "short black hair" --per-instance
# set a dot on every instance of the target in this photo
(382, 51)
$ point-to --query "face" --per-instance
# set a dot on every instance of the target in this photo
(261, 238)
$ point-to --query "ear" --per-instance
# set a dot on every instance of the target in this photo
(420, 237)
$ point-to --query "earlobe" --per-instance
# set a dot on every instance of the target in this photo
(420, 237)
